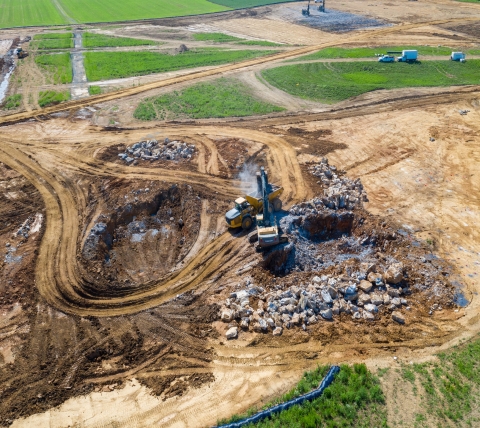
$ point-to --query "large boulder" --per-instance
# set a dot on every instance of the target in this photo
(227, 315)
(394, 273)
(232, 333)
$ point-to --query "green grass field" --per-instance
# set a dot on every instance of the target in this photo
(57, 66)
(53, 36)
(112, 65)
(15, 13)
(354, 399)
(239, 4)
(332, 82)
(225, 38)
(370, 52)
(47, 98)
(92, 40)
(221, 98)
(126, 10)
(12, 102)
(57, 43)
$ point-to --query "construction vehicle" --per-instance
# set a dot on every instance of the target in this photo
(306, 12)
(246, 208)
(21, 53)
(408, 56)
(267, 233)
(458, 56)
(321, 7)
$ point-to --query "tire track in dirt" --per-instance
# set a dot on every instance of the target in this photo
(58, 276)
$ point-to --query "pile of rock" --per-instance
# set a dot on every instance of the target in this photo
(340, 192)
(152, 150)
(362, 295)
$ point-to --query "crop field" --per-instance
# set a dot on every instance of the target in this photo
(15, 13)
(332, 53)
(111, 65)
(110, 10)
(54, 43)
(92, 40)
(333, 82)
(12, 102)
(52, 36)
(47, 98)
(222, 98)
(238, 4)
(58, 67)
(354, 399)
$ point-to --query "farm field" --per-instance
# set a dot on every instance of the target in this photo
(221, 98)
(93, 40)
(234, 4)
(225, 38)
(58, 67)
(334, 82)
(126, 10)
(29, 12)
(112, 65)
(333, 53)
(46, 43)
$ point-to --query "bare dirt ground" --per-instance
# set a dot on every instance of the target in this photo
(110, 303)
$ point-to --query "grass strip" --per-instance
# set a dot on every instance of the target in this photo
(12, 102)
(58, 67)
(240, 4)
(47, 98)
(92, 40)
(94, 90)
(44, 36)
(112, 65)
(332, 82)
(47, 44)
(354, 399)
(225, 38)
(221, 98)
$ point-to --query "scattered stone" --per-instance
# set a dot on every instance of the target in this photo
(278, 331)
(394, 274)
(227, 315)
(398, 317)
(365, 286)
(232, 333)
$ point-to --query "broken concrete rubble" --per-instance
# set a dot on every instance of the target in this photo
(153, 150)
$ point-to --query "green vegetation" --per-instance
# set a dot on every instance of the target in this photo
(448, 388)
(222, 98)
(46, 98)
(259, 43)
(94, 90)
(126, 10)
(53, 36)
(328, 53)
(215, 37)
(12, 102)
(92, 40)
(111, 65)
(354, 399)
(53, 42)
(239, 4)
(331, 82)
(225, 38)
(17, 13)
(58, 66)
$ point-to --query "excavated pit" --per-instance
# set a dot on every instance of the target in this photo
(142, 233)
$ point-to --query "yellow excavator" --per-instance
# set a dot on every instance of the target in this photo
(247, 208)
